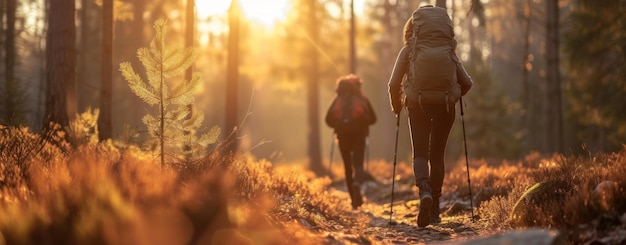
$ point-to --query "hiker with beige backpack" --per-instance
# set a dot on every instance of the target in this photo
(432, 78)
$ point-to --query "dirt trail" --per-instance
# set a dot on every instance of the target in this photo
(455, 227)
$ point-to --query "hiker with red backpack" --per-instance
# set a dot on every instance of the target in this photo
(350, 115)
(435, 81)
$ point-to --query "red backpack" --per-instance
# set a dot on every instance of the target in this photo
(348, 110)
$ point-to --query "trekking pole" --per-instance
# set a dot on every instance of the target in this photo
(367, 152)
(330, 160)
(393, 176)
(467, 160)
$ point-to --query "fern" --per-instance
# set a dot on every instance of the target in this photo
(171, 125)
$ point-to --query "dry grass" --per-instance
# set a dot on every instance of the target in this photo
(584, 196)
(98, 193)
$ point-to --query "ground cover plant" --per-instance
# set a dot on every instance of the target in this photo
(97, 194)
(102, 194)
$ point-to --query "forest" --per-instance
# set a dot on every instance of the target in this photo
(120, 119)
(521, 103)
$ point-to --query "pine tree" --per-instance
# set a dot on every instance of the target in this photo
(166, 127)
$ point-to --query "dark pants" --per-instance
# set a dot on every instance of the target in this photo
(352, 148)
(430, 126)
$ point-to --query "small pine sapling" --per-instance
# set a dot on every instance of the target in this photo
(172, 119)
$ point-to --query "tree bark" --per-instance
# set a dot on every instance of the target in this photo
(189, 31)
(60, 62)
(441, 4)
(9, 59)
(553, 105)
(2, 31)
(388, 50)
(106, 86)
(352, 39)
(232, 75)
(190, 17)
(314, 144)
(42, 74)
(138, 24)
(526, 68)
(83, 47)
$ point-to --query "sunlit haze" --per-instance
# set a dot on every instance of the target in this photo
(266, 12)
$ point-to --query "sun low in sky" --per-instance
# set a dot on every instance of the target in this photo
(267, 12)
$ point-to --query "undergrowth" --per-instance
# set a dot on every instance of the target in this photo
(101, 194)
(583, 196)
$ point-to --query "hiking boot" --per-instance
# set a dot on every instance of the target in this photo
(355, 195)
(356, 204)
(434, 212)
(426, 197)
(426, 203)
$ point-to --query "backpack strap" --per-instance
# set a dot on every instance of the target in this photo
(413, 50)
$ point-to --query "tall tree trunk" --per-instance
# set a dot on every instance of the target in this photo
(60, 62)
(42, 74)
(190, 17)
(189, 31)
(352, 39)
(314, 144)
(553, 105)
(138, 24)
(388, 50)
(472, 41)
(139, 7)
(441, 4)
(526, 68)
(9, 62)
(232, 75)
(2, 31)
(83, 46)
(106, 86)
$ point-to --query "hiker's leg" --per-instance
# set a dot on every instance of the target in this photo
(442, 123)
(443, 119)
(346, 145)
(358, 157)
(420, 125)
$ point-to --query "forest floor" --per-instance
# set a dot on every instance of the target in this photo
(99, 194)
(401, 227)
